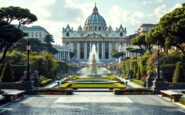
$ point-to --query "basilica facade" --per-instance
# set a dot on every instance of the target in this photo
(95, 31)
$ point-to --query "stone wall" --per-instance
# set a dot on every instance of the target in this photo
(175, 86)
(12, 85)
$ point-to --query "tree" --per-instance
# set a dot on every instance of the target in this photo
(7, 75)
(11, 13)
(9, 35)
(142, 42)
(36, 45)
(135, 50)
(117, 54)
(171, 28)
(179, 75)
(49, 40)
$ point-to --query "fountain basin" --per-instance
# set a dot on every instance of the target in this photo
(96, 81)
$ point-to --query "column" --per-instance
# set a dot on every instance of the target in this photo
(103, 51)
(78, 51)
(110, 50)
(72, 47)
(59, 55)
(68, 55)
(64, 55)
(90, 46)
(85, 50)
(97, 45)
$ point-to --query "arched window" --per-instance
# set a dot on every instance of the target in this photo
(121, 34)
(67, 34)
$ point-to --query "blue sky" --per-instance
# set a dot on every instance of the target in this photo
(56, 14)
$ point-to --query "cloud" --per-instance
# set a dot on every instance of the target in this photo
(146, 2)
(177, 5)
(117, 15)
(60, 11)
(160, 11)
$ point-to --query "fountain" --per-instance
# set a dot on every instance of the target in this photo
(91, 70)
(93, 67)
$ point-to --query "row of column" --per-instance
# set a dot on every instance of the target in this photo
(62, 55)
(97, 44)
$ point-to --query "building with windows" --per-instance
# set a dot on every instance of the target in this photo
(144, 28)
(37, 32)
(95, 31)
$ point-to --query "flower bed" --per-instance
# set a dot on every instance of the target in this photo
(45, 82)
(182, 101)
(139, 82)
(54, 91)
(133, 91)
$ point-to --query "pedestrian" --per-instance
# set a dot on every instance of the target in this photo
(58, 83)
(126, 83)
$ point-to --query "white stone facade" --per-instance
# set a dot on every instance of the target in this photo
(37, 32)
(95, 31)
(63, 53)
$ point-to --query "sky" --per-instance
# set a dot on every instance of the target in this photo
(53, 15)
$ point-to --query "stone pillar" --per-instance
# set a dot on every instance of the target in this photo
(98, 49)
(68, 55)
(90, 46)
(78, 51)
(71, 47)
(59, 55)
(85, 51)
(110, 50)
(103, 50)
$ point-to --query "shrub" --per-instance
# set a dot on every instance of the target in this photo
(6, 75)
(142, 63)
(172, 58)
(18, 71)
(167, 71)
(179, 75)
(139, 82)
(182, 101)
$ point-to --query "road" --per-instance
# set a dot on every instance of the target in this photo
(93, 103)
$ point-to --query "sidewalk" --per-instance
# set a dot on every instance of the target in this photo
(55, 83)
(130, 84)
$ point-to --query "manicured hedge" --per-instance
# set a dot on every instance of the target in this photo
(133, 91)
(167, 71)
(46, 82)
(18, 71)
(182, 101)
(139, 82)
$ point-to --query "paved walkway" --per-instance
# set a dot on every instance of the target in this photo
(130, 84)
(93, 103)
(55, 83)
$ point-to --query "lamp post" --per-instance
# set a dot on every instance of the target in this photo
(158, 68)
(28, 48)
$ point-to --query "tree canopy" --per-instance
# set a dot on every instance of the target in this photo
(170, 30)
(117, 54)
(143, 42)
(22, 15)
(49, 40)
(36, 45)
(9, 34)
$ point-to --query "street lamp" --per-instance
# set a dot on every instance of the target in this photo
(158, 68)
(28, 48)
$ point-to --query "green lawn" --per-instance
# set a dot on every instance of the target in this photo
(89, 85)
(96, 83)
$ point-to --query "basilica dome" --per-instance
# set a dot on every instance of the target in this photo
(95, 22)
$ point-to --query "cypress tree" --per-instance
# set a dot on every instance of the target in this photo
(179, 75)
